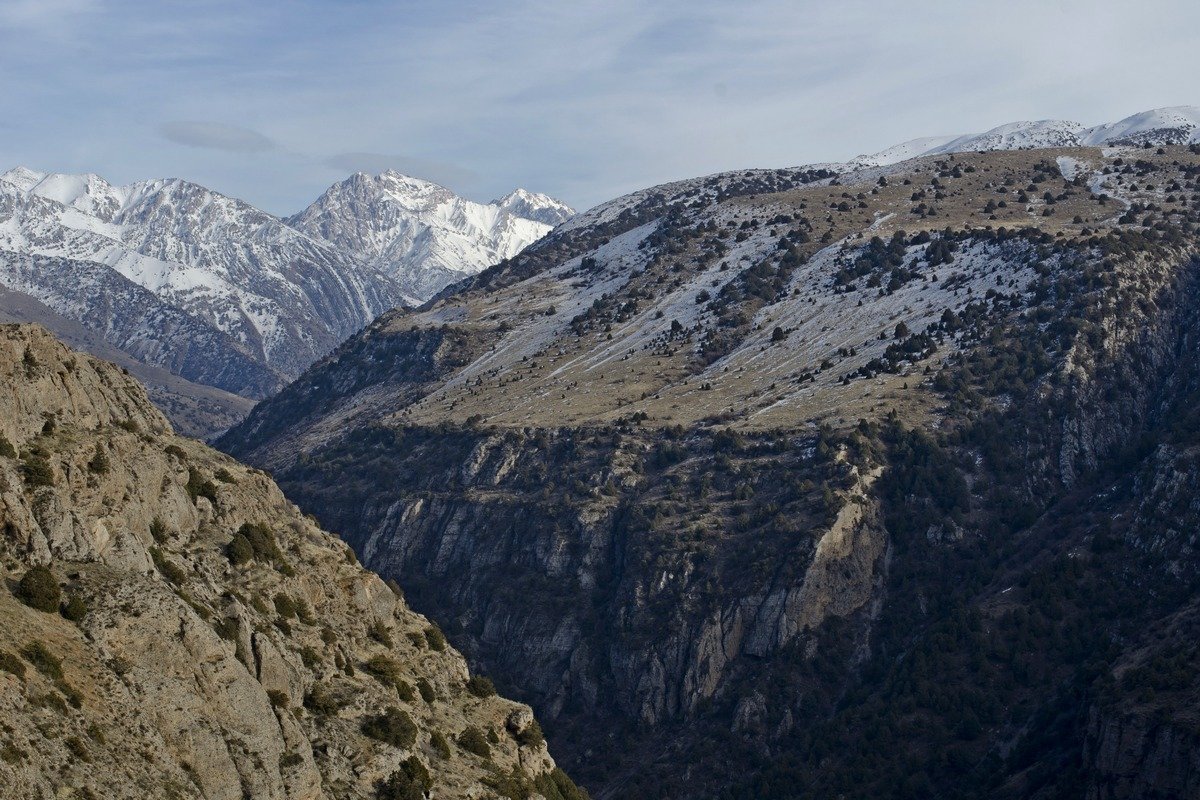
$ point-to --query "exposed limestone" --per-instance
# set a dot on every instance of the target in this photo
(189, 675)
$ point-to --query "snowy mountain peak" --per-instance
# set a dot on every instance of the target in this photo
(532, 205)
(88, 193)
(1172, 125)
(423, 234)
(23, 178)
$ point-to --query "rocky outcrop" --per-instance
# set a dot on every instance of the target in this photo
(637, 618)
(213, 642)
(1135, 756)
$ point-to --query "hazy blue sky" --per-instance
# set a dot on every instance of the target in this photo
(272, 101)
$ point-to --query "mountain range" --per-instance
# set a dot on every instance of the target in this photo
(223, 295)
(216, 303)
(856, 480)
(1171, 125)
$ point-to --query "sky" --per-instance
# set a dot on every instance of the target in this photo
(273, 101)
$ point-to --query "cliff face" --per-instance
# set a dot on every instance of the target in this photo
(867, 488)
(196, 636)
(649, 615)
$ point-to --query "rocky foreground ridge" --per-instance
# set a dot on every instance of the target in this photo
(171, 626)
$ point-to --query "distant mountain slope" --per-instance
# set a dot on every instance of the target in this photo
(827, 482)
(195, 409)
(422, 234)
(137, 321)
(221, 293)
(284, 296)
(1173, 125)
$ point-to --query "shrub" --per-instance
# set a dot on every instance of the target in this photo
(426, 690)
(481, 686)
(437, 740)
(225, 476)
(49, 700)
(6, 448)
(290, 760)
(383, 669)
(158, 530)
(435, 638)
(197, 486)
(75, 608)
(99, 463)
(393, 727)
(285, 606)
(37, 471)
(473, 741)
(262, 542)
(320, 700)
(409, 782)
(11, 754)
(10, 663)
(417, 639)
(38, 589)
(310, 657)
(279, 699)
(557, 785)
(405, 691)
(168, 569)
(532, 736)
(239, 551)
(43, 660)
(304, 612)
(514, 784)
(78, 748)
(379, 632)
(227, 629)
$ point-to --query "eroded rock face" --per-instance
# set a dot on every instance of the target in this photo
(1132, 756)
(192, 671)
(635, 617)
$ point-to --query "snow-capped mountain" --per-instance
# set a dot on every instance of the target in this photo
(537, 207)
(221, 293)
(287, 298)
(422, 234)
(1172, 125)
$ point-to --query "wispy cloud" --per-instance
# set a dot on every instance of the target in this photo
(216, 136)
(583, 100)
(48, 16)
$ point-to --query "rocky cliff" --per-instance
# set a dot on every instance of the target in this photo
(792, 484)
(174, 627)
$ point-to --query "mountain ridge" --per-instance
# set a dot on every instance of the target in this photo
(1166, 125)
(258, 292)
(211, 641)
(794, 482)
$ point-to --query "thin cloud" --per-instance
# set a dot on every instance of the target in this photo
(216, 136)
(582, 100)
(46, 15)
